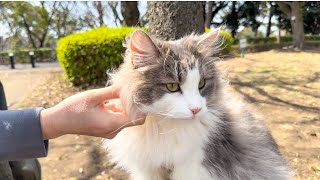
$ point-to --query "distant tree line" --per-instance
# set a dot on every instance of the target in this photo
(40, 24)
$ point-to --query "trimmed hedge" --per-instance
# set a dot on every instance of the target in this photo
(228, 41)
(87, 56)
(258, 40)
(270, 40)
(22, 56)
(251, 48)
(306, 38)
(266, 47)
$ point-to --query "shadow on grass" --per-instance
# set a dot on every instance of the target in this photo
(273, 100)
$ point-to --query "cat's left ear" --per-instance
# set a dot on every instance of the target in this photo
(210, 43)
(142, 49)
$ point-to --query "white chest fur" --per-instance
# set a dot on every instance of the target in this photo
(178, 146)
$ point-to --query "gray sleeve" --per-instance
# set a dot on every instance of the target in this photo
(21, 135)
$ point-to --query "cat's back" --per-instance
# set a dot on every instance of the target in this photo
(245, 148)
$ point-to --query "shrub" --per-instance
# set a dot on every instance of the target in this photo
(87, 56)
(22, 56)
(258, 40)
(312, 38)
(307, 38)
(228, 41)
(269, 46)
(284, 39)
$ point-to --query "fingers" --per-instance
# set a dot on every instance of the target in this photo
(106, 93)
(112, 107)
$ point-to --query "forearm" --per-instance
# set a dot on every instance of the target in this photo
(50, 124)
(21, 135)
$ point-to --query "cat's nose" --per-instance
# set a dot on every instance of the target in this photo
(195, 110)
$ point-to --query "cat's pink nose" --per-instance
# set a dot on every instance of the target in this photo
(195, 110)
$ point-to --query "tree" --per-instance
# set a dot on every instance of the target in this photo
(249, 11)
(113, 5)
(34, 20)
(173, 20)
(232, 19)
(64, 22)
(213, 7)
(130, 13)
(95, 13)
(311, 17)
(271, 13)
(293, 11)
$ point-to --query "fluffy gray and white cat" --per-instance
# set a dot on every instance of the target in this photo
(195, 129)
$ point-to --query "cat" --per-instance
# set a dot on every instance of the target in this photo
(194, 128)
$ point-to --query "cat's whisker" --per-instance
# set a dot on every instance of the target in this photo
(126, 125)
(173, 116)
(167, 132)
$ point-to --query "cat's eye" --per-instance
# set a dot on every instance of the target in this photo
(173, 87)
(202, 83)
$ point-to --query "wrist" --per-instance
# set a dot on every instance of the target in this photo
(50, 124)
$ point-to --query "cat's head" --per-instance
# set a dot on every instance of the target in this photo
(177, 79)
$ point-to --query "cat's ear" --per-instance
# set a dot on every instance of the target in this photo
(210, 43)
(142, 49)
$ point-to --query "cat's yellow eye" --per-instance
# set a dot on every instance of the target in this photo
(173, 87)
(202, 83)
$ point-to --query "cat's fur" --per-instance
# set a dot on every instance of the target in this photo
(225, 140)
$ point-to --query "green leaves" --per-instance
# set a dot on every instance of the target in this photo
(87, 56)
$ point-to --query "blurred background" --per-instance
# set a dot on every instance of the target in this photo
(51, 50)
(36, 25)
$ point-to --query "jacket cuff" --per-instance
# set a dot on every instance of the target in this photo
(23, 135)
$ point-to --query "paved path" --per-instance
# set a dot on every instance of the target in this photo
(20, 82)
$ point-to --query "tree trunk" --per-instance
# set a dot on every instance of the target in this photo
(130, 13)
(209, 14)
(269, 20)
(29, 33)
(100, 10)
(293, 10)
(173, 20)
(233, 19)
(297, 24)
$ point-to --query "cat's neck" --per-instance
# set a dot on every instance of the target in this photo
(159, 127)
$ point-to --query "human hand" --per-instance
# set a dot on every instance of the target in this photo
(86, 114)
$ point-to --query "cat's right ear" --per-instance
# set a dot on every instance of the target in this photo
(142, 49)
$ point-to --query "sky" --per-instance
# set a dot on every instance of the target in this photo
(142, 6)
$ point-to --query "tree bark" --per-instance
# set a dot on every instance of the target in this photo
(100, 11)
(293, 10)
(297, 24)
(113, 5)
(234, 14)
(173, 20)
(130, 13)
(209, 15)
(29, 32)
(269, 19)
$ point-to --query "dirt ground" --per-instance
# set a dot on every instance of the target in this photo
(20, 82)
(282, 86)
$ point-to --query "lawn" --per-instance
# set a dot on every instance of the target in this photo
(284, 87)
